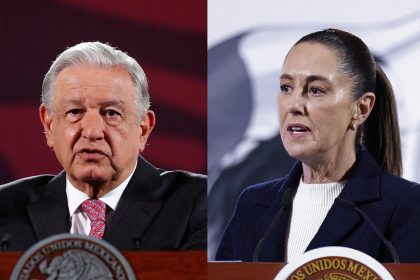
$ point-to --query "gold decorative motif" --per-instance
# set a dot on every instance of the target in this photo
(333, 268)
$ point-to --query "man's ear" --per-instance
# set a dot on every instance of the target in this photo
(46, 122)
(147, 123)
(363, 107)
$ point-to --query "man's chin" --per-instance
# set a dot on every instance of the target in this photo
(93, 176)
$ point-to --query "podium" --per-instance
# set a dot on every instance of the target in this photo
(146, 265)
(267, 271)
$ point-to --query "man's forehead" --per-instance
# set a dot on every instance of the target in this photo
(105, 84)
(95, 76)
(103, 101)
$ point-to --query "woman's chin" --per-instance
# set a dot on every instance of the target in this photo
(299, 152)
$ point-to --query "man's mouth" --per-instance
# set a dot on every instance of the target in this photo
(91, 154)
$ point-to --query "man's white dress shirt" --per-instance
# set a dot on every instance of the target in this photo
(80, 223)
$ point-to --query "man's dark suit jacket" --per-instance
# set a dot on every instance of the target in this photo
(391, 202)
(158, 211)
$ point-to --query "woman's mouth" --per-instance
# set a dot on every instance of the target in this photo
(298, 129)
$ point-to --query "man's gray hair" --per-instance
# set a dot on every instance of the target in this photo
(97, 54)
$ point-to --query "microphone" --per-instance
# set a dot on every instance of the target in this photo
(353, 206)
(137, 243)
(5, 242)
(286, 202)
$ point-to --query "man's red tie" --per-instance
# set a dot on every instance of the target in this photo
(95, 210)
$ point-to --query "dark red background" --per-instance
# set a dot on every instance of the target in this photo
(168, 39)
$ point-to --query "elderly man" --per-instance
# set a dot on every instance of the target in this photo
(96, 117)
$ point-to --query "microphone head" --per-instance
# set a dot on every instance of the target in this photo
(5, 242)
(6, 238)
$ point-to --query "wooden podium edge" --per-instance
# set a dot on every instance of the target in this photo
(146, 265)
(244, 271)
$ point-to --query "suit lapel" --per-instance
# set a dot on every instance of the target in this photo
(275, 243)
(362, 187)
(48, 211)
(338, 223)
(137, 208)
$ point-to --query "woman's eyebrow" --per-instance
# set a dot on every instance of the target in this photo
(286, 77)
(312, 78)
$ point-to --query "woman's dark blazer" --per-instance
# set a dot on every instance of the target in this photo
(391, 202)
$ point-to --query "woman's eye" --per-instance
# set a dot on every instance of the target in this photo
(316, 91)
(285, 89)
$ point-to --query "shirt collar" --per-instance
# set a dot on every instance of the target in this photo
(76, 197)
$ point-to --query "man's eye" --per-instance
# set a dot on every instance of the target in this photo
(74, 112)
(74, 115)
(316, 91)
(110, 113)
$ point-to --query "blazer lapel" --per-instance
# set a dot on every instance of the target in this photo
(362, 187)
(48, 211)
(338, 223)
(137, 208)
(275, 244)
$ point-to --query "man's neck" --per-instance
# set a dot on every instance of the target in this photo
(96, 189)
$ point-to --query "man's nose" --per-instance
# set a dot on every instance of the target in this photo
(93, 126)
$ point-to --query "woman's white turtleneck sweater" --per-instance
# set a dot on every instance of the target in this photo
(310, 207)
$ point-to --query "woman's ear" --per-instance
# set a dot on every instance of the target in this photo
(363, 107)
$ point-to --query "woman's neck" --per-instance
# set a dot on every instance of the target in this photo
(328, 170)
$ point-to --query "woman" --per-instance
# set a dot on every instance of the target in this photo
(338, 119)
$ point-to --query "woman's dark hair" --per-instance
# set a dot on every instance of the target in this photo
(380, 132)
